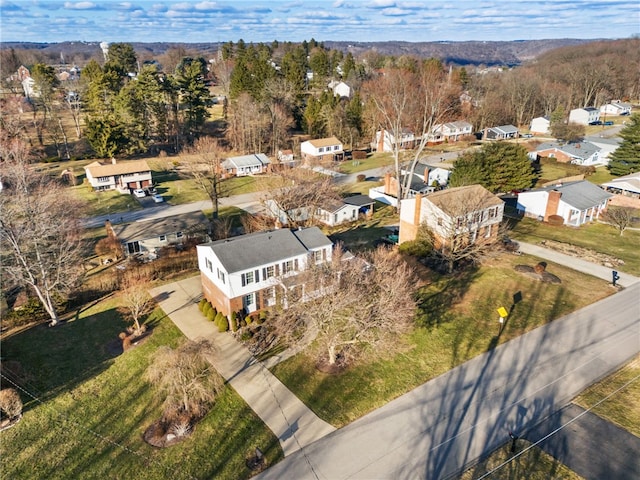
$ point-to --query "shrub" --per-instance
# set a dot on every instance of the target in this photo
(361, 177)
(10, 403)
(202, 304)
(211, 315)
(206, 309)
(223, 323)
(262, 316)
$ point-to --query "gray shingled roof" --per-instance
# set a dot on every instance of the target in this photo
(358, 200)
(575, 149)
(580, 195)
(247, 160)
(186, 222)
(247, 251)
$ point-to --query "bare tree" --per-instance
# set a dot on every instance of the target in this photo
(136, 301)
(39, 230)
(296, 194)
(409, 100)
(468, 232)
(620, 217)
(202, 163)
(351, 306)
(186, 378)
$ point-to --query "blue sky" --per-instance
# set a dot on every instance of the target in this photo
(348, 20)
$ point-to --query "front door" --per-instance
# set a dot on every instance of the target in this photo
(249, 303)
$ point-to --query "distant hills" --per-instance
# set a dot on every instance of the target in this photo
(460, 53)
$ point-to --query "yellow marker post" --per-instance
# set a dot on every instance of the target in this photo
(503, 312)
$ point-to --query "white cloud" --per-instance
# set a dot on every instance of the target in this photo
(80, 6)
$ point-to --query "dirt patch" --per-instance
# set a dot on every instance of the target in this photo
(583, 253)
(161, 435)
(331, 369)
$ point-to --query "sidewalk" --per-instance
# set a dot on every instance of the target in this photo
(577, 264)
(288, 418)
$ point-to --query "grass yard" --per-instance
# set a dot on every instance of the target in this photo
(601, 176)
(94, 406)
(599, 237)
(534, 464)
(623, 407)
(374, 160)
(456, 321)
(361, 236)
(105, 202)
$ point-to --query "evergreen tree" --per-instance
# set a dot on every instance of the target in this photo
(626, 158)
(121, 59)
(497, 166)
(194, 94)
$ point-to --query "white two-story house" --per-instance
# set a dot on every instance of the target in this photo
(584, 116)
(452, 131)
(123, 176)
(248, 272)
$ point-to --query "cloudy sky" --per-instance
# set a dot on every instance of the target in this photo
(349, 20)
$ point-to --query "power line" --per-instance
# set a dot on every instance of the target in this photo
(559, 428)
(75, 423)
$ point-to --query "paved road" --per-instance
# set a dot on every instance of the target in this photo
(440, 427)
(590, 446)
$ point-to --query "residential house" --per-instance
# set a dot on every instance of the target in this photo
(122, 176)
(607, 146)
(616, 107)
(452, 131)
(247, 273)
(471, 211)
(578, 153)
(540, 125)
(146, 238)
(322, 150)
(284, 217)
(627, 185)
(346, 210)
(584, 116)
(502, 132)
(423, 180)
(285, 157)
(386, 141)
(576, 202)
(246, 165)
(340, 88)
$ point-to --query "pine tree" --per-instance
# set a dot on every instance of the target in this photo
(498, 166)
(626, 158)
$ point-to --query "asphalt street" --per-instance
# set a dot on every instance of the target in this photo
(439, 428)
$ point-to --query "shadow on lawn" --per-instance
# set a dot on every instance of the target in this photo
(56, 359)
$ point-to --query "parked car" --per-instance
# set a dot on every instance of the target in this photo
(138, 192)
(150, 191)
(608, 123)
(527, 135)
(597, 122)
(158, 198)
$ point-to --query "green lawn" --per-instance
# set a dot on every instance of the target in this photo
(102, 203)
(363, 234)
(623, 407)
(374, 160)
(456, 321)
(601, 176)
(93, 407)
(599, 237)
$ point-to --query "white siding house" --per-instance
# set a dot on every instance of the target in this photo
(246, 273)
(584, 116)
(540, 125)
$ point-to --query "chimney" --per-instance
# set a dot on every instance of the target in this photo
(387, 184)
(381, 141)
(552, 204)
(416, 212)
(113, 160)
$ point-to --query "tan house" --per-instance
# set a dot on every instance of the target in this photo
(122, 176)
(322, 150)
(472, 211)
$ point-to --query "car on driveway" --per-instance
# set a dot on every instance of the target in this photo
(138, 192)
(158, 198)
